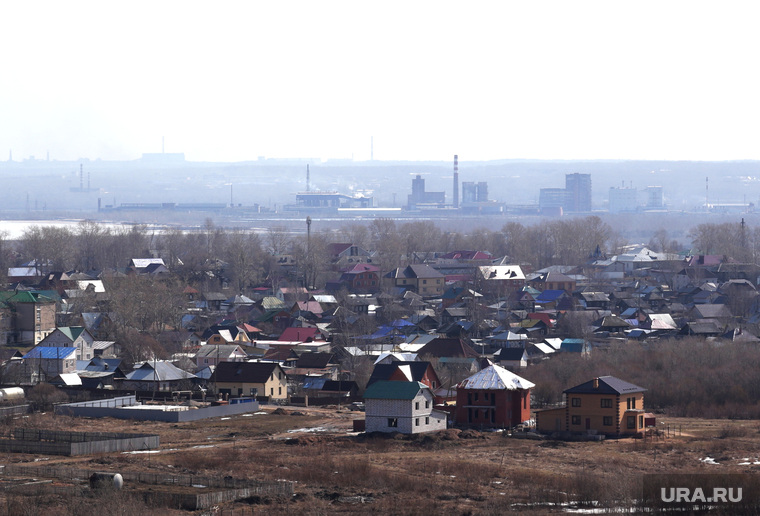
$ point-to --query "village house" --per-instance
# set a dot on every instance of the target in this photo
(362, 278)
(405, 407)
(493, 397)
(213, 354)
(553, 281)
(45, 363)
(500, 280)
(421, 279)
(604, 405)
(250, 379)
(30, 316)
(157, 375)
(72, 337)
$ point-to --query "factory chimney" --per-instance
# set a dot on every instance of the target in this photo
(456, 182)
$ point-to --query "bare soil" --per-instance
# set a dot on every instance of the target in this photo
(338, 471)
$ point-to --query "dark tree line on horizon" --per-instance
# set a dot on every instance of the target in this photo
(244, 259)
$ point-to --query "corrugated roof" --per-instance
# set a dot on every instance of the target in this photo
(389, 390)
(495, 378)
(51, 353)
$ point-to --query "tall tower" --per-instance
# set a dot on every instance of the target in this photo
(578, 192)
(307, 178)
(456, 181)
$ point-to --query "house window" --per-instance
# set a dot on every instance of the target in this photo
(575, 402)
(279, 391)
(392, 422)
(576, 420)
(254, 391)
(633, 403)
(476, 396)
(416, 405)
(631, 422)
(279, 376)
(641, 421)
(427, 420)
(271, 391)
(416, 421)
(607, 420)
(485, 396)
(606, 402)
(424, 282)
(427, 404)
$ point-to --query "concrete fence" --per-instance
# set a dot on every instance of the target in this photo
(52, 442)
(117, 408)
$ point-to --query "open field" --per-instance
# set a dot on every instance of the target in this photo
(335, 471)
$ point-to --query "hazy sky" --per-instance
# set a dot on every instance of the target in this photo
(231, 81)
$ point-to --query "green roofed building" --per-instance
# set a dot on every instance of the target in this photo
(27, 317)
(405, 407)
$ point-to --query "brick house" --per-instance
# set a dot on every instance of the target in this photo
(405, 407)
(29, 317)
(604, 405)
(493, 397)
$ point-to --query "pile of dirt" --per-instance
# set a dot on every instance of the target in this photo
(303, 440)
(472, 434)
(280, 412)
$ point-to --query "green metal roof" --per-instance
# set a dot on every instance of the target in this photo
(72, 332)
(390, 390)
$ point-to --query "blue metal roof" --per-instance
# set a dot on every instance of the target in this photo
(51, 353)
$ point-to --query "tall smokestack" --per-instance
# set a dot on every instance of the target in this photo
(456, 181)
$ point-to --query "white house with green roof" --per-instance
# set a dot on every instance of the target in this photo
(404, 407)
(72, 337)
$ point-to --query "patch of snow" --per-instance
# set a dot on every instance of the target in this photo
(205, 446)
(709, 460)
(307, 430)
(225, 418)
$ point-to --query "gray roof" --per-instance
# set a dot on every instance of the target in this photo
(158, 371)
(495, 378)
(606, 385)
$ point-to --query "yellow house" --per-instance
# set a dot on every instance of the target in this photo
(250, 379)
(605, 405)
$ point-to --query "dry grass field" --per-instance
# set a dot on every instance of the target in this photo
(335, 471)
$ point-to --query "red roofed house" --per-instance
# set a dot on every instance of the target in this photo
(362, 278)
(293, 334)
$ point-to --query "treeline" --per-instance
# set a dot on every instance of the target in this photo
(245, 259)
(684, 377)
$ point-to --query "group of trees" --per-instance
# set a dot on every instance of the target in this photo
(690, 377)
(243, 258)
